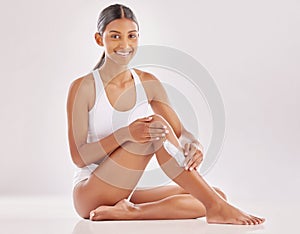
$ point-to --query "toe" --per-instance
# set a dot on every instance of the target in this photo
(253, 221)
(92, 215)
(245, 222)
(258, 220)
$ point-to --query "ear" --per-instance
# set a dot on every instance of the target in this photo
(99, 39)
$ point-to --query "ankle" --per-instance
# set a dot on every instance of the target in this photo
(215, 206)
(135, 211)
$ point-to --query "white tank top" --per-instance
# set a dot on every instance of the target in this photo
(104, 119)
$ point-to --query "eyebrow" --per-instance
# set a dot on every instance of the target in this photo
(111, 31)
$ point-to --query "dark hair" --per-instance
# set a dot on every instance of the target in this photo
(109, 14)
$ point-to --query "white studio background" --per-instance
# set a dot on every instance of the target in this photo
(251, 48)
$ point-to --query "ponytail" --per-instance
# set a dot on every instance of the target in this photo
(100, 63)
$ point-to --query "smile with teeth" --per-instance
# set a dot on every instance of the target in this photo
(122, 53)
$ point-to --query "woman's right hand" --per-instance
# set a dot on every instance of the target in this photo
(145, 130)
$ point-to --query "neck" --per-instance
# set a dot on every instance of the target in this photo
(110, 70)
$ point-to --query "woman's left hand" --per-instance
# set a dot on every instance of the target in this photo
(193, 154)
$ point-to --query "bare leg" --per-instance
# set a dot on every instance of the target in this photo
(217, 209)
(167, 208)
(158, 193)
(157, 203)
(112, 181)
(95, 192)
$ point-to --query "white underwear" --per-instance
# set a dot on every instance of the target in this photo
(84, 173)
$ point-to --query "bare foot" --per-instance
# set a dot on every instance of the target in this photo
(123, 210)
(224, 213)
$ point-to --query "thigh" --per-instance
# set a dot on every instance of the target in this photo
(112, 181)
(155, 194)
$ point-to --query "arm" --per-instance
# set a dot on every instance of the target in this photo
(161, 105)
(83, 153)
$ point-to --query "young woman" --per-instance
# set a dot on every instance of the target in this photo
(112, 137)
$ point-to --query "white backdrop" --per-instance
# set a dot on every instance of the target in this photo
(251, 48)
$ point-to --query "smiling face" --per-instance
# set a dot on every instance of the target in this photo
(120, 40)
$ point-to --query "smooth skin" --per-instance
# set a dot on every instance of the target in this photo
(103, 195)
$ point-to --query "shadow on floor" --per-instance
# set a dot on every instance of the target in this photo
(189, 226)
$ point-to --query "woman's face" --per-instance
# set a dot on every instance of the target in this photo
(120, 40)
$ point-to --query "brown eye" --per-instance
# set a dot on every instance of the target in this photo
(115, 36)
(133, 36)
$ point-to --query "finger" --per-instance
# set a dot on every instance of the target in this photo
(193, 149)
(157, 138)
(189, 162)
(157, 124)
(186, 161)
(200, 147)
(195, 165)
(195, 162)
(186, 149)
(157, 131)
(199, 153)
(162, 134)
(191, 155)
(146, 119)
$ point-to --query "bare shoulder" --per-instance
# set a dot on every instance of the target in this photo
(146, 76)
(84, 83)
(151, 84)
(83, 88)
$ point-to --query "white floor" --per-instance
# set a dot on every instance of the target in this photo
(56, 215)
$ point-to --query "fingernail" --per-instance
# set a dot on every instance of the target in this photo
(157, 138)
(167, 131)
(185, 153)
(165, 127)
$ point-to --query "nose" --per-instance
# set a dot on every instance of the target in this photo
(124, 43)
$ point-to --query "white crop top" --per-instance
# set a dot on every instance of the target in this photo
(104, 119)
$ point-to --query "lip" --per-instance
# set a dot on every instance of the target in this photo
(123, 53)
